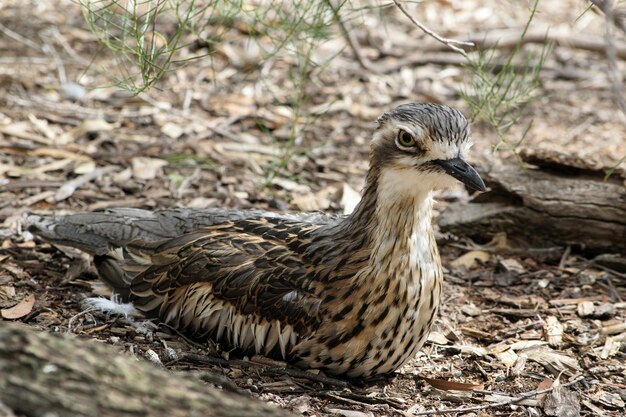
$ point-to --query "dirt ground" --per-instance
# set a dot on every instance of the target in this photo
(212, 134)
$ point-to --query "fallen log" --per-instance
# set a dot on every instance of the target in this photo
(557, 201)
(45, 374)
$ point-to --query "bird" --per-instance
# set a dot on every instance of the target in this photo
(352, 295)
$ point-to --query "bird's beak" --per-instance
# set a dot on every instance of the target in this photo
(462, 171)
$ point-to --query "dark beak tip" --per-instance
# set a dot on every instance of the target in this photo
(464, 172)
(479, 186)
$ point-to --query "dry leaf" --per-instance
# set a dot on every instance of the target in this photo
(349, 198)
(468, 260)
(444, 385)
(172, 130)
(146, 168)
(561, 402)
(512, 265)
(612, 400)
(553, 360)
(553, 330)
(611, 347)
(311, 202)
(20, 309)
(507, 357)
(585, 308)
(91, 126)
(7, 292)
(471, 310)
(437, 338)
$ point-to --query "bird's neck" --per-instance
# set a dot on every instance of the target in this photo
(391, 223)
(395, 212)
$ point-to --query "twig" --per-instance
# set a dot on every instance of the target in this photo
(67, 189)
(450, 43)
(509, 38)
(494, 405)
(607, 8)
(295, 373)
(352, 43)
(58, 62)
(72, 319)
(16, 36)
(611, 56)
(450, 59)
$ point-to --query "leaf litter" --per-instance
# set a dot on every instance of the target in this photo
(516, 319)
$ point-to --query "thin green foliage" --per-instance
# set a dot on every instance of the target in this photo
(145, 53)
(149, 37)
(296, 29)
(500, 88)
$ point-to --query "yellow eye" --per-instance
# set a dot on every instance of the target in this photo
(405, 139)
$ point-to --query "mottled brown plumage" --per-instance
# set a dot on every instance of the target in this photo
(352, 295)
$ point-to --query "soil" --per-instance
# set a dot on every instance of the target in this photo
(215, 133)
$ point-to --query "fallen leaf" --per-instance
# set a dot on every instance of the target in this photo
(438, 338)
(468, 260)
(585, 308)
(507, 357)
(172, 130)
(553, 330)
(512, 265)
(553, 360)
(561, 402)
(7, 292)
(611, 347)
(146, 168)
(20, 309)
(311, 202)
(444, 385)
(349, 198)
(91, 126)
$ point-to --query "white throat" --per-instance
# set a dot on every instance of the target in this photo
(403, 214)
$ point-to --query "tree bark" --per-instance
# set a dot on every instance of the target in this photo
(44, 374)
(559, 202)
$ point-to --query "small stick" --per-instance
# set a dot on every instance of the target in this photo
(614, 73)
(352, 43)
(494, 405)
(450, 43)
(295, 373)
(607, 7)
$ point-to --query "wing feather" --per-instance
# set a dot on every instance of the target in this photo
(232, 281)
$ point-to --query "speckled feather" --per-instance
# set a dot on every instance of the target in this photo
(352, 295)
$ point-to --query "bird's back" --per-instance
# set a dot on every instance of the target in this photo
(236, 276)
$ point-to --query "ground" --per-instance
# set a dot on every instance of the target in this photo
(216, 133)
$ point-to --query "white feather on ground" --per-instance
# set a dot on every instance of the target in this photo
(112, 306)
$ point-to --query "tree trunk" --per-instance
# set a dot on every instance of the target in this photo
(44, 374)
(560, 202)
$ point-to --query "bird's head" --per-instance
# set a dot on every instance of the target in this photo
(423, 146)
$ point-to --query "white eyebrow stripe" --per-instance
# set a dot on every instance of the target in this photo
(412, 130)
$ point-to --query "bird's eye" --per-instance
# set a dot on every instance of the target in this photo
(405, 139)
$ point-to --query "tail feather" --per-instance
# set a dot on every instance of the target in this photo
(100, 232)
(121, 240)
